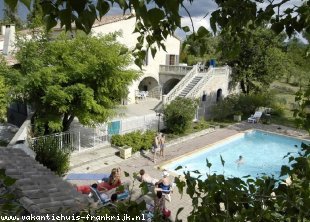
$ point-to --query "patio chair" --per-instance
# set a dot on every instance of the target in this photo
(255, 118)
(104, 198)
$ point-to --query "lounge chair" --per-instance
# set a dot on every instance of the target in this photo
(104, 198)
(255, 118)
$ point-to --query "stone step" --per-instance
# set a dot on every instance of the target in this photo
(91, 155)
(97, 164)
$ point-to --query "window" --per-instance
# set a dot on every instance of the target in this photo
(172, 60)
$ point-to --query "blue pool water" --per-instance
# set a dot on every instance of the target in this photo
(262, 153)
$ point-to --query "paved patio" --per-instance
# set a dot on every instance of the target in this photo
(134, 164)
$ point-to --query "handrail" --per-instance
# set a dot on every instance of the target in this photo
(176, 90)
(175, 69)
(206, 76)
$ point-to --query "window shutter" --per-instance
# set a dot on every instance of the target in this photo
(176, 60)
(167, 59)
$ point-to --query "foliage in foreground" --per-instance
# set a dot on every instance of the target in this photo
(138, 140)
(49, 153)
(8, 201)
(265, 198)
(302, 114)
(179, 114)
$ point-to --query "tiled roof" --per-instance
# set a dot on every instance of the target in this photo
(107, 19)
(111, 19)
(38, 189)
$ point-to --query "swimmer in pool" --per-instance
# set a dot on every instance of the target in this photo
(240, 161)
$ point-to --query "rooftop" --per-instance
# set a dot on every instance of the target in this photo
(37, 188)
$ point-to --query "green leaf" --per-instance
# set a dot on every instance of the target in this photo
(50, 22)
(126, 174)
(144, 188)
(8, 181)
(123, 51)
(178, 212)
(12, 4)
(179, 167)
(208, 163)
(155, 15)
(284, 170)
(202, 32)
(78, 6)
(277, 27)
(186, 29)
(196, 171)
(103, 7)
(153, 51)
(222, 160)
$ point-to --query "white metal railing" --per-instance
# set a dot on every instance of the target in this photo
(175, 69)
(221, 70)
(212, 72)
(178, 88)
(64, 141)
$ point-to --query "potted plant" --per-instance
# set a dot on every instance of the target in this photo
(237, 116)
(125, 151)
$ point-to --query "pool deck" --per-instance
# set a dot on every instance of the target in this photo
(137, 162)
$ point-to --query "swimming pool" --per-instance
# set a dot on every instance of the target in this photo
(262, 153)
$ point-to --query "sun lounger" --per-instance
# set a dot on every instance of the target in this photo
(255, 118)
(105, 199)
(87, 176)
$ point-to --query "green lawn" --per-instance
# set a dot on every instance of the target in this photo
(285, 95)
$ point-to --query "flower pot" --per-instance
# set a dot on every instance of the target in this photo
(237, 118)
(125, 152)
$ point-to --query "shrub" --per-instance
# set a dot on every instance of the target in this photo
(202, 124)
(245, 104)
(138, 140)
(179, 114)
(50, 155)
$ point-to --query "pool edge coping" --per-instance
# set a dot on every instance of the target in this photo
(161, 166)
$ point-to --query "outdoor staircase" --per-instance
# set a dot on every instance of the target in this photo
(190, 86)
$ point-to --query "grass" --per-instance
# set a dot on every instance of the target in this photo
(197, 127)
(285, 95)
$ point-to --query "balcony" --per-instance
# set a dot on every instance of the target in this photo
(177, 70)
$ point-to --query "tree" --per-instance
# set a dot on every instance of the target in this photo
(84, 77)
(179, 114)
(302, 114)
(199, 46)
(297, 55)
(259, 61)
(36, 17)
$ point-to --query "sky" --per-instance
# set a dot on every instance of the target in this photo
(198, 10)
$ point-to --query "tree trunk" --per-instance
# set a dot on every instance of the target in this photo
(243, 87)
(66, 122)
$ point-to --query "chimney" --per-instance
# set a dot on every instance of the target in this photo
(9, 39)
(2, 29)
